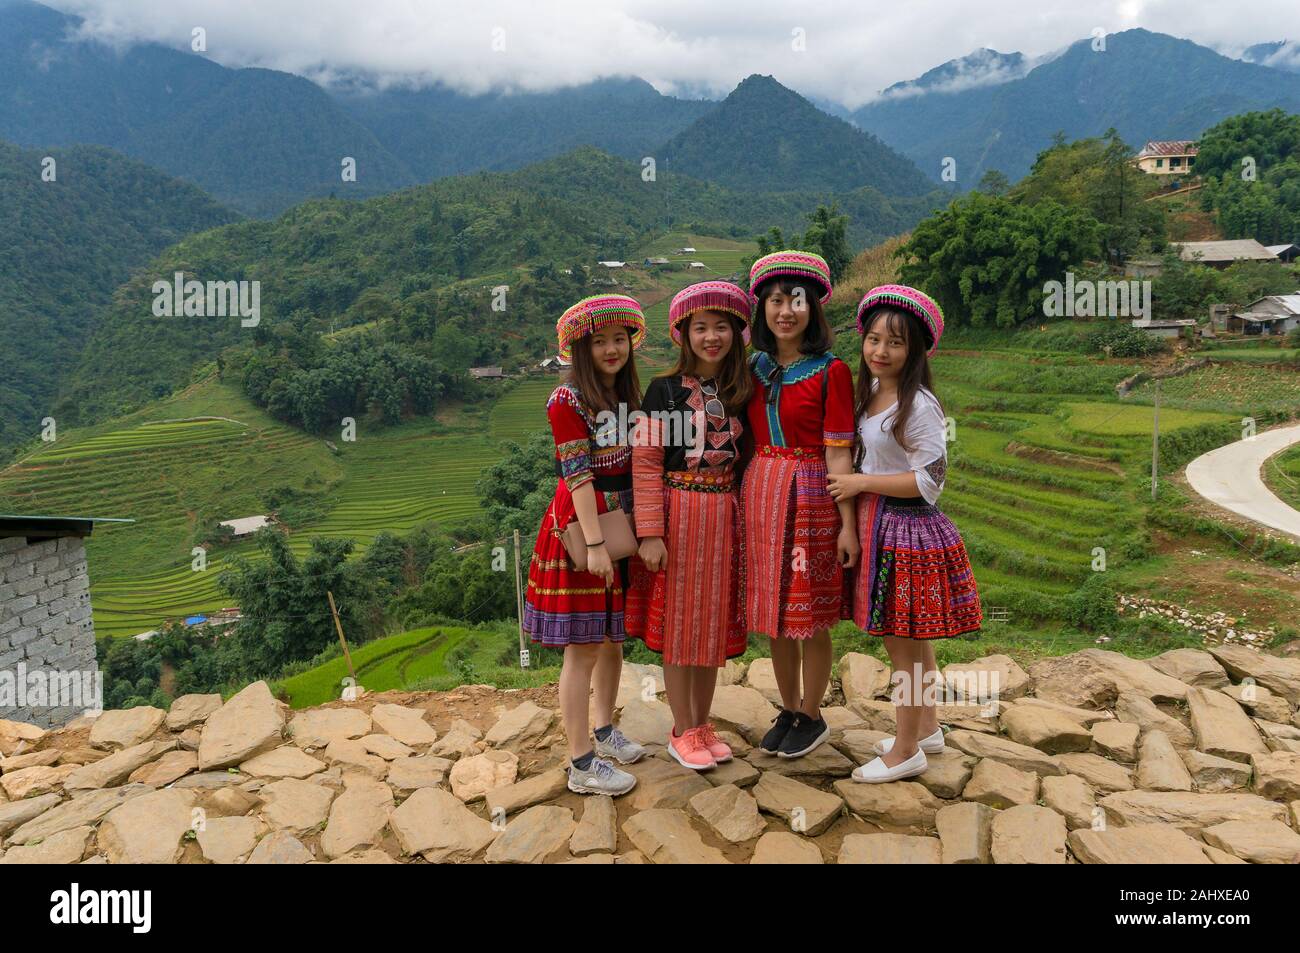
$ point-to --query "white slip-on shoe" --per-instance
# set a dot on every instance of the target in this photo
(877, 772)
(930, 744)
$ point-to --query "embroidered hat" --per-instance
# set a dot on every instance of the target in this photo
(709, 296)
(599, 311)
(906, 299)
(794, 264)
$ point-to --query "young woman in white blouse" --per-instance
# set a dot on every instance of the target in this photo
(914, 581)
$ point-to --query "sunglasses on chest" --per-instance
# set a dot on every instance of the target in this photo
(712, 406)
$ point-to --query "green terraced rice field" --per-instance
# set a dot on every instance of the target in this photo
(1046, 465)
(173, 478)
(395, 662)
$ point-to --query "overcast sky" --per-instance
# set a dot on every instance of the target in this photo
(686, 47)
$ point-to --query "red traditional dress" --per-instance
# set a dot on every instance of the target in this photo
(691, 610)
(563, 606)
(795, 587)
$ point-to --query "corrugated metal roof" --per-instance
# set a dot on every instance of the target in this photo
(1236, 249)
(1168, 147)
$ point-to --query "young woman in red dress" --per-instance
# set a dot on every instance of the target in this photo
(581, 612)
(798, 542)
(687, 511)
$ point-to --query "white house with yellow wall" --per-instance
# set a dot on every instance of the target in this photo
(1167, 157)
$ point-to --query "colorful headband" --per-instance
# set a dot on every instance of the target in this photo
(599, 311)
(709, 296)
(906, 299)
(793, 264)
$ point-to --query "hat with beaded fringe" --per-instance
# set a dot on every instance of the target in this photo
(709, 296)
(906, 299)
(791, 264)
(599, 311)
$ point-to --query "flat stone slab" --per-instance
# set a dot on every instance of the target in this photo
(889, 849)
(1147, 844)
(666, 836)
(806, 809)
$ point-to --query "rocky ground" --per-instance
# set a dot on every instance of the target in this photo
(1190, 757)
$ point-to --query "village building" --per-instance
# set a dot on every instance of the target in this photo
(1221, 254)
(1163, 327)
(1284, 253)
(1272, 314)
(486, 373)
(1167, 156)
(47, 635)
(246, 526)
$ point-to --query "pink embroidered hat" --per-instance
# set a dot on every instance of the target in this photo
(906, 299)
(599, 311)
(793, 264)
(709, 296)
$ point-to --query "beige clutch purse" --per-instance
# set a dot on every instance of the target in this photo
(616, 530)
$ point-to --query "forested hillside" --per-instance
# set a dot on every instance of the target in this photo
(66, 245)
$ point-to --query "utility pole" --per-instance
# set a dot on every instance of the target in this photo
(1155, 440)
(519, 606)
(342, 641)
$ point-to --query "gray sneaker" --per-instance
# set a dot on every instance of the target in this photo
(601, 777)
(619, 747)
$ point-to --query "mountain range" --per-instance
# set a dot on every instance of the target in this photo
(1146, 85)
(261, 140)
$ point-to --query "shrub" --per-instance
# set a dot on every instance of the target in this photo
(1120, 341)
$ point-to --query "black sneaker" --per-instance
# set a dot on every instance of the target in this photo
(805, 735)
(781, 726)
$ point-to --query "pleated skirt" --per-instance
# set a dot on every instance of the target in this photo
(691, 610)
(914, 579)
(795, 587)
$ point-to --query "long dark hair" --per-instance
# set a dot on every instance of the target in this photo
(586, 379)
(914, 376)
(816, 337)
(735, 383)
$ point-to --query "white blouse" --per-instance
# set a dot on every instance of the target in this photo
(925, 433)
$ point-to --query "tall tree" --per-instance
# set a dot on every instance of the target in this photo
(986, 259)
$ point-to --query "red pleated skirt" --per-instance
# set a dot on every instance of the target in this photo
(795, 586)
(561, 605)
(691, 611)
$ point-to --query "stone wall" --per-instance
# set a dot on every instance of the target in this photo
(45, 626)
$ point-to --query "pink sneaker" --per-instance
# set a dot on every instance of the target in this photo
(717, 747)
(688, 751)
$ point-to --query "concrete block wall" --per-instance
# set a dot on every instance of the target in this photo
(45, 621)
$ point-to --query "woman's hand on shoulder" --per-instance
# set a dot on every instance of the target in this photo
(653, 553)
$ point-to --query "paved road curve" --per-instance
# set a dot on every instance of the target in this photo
(1229, 477)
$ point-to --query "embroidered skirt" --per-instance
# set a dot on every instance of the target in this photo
(563, 606)
(795, 586)
(914, 580)
(691, 610)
